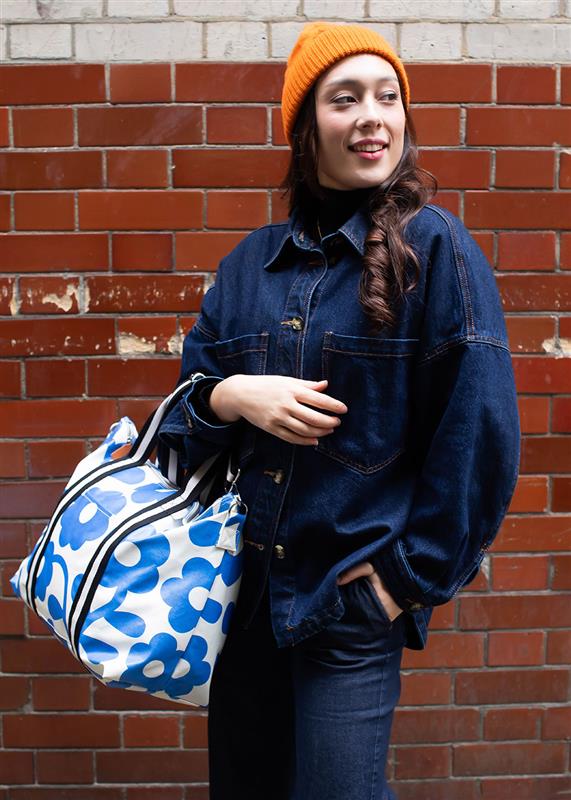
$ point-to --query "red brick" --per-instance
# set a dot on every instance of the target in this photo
(537, 374)
(565, 251)
(64, 767)
(140, 83)
(451, 83)
(499, 687)
(12, 460)
(43, 127)
(11, 617)
(545, 454)
(239, 125)
(138, 293)
(506, 759)
(561, 418)
(195, 731)
(228, 83)
(5, 223)
(556, 723)
(564, 171)
(54, 459)
(527, 788)
(203, 250)
(536, 292)
(527, 85)
(53, 252)
(427, 727)
(146, 731)
(137, 410)
(9, 379)
(135, 376)
(144, 125)
(16, 766)
(66, 169)
(518, 126)
(50, 337)
(437, 126)
(143, 252)
(519, 210)
(236, 209)
(512, 723)
(55, 378)
(4, 132)
(160, 793)
(13, 542)
(61, 730)
(561, 573)
(530, 495)
(461, 170)
(64, 793)
(14, 693)
(525, 169)
(46, 211)
(527, 334)
(561, 495)
(423, 762)
(506, 611)
(559, 647)
(49, 295)
(519, 573)
(533, 534)
(52, 84)
(129, 169)
(534, 414)
(526, 250)
(168, 766)
(151, 210)
(221, 168)
(449, 650)
(154, 334)
(514, 648)
(7, 286)
(448, 789)
(55, 418)
(424, 688)
(61, 694)
(30, 499)
(107, 698)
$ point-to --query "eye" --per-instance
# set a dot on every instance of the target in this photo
(392, 96)
(343, 97)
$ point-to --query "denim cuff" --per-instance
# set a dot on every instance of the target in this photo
(188, 417)
(395, 574)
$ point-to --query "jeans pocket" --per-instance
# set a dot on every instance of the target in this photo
(376, 602)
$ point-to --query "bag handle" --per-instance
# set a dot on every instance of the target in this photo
(147, 439)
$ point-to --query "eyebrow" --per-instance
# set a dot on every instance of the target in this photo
(355, 82)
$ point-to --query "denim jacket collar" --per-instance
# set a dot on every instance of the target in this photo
(355, 230)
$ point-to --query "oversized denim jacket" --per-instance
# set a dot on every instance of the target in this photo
(418, 476)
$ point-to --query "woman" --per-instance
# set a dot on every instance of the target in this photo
(356, 359)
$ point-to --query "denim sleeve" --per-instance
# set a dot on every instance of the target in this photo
(465, 429)
(191, 427)
(467, 433)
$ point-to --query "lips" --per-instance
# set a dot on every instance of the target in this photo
(379, 145)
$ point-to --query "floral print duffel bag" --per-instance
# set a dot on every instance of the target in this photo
(134, 573)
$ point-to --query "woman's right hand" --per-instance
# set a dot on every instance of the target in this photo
(278, 404)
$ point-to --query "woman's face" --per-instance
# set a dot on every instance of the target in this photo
(357, 99)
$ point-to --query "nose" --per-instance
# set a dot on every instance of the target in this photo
(370, 115)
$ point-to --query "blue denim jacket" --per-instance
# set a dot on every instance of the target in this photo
(418, 476)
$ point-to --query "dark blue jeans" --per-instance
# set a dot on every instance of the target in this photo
(309, 722)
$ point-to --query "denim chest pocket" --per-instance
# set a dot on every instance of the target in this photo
(246, 355)
(372, 377)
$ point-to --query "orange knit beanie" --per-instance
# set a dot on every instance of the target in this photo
(318, 46)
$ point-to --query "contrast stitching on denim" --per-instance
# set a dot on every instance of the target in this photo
(443, 347)
(205, 331)
(460, 270)
(375, 757)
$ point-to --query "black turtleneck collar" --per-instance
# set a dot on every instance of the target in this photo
(338, 206)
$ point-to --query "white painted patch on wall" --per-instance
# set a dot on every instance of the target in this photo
(128, 344)
(14, 302)
(560, 348)
(63, 302)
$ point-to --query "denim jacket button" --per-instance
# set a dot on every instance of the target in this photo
(279, 551)
(415, 606)
(277, 474)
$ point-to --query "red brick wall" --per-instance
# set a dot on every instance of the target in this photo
(112, 227)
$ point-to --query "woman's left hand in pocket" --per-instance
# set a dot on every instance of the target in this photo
(367, 569)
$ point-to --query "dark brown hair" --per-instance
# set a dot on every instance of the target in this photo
(385, 278)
